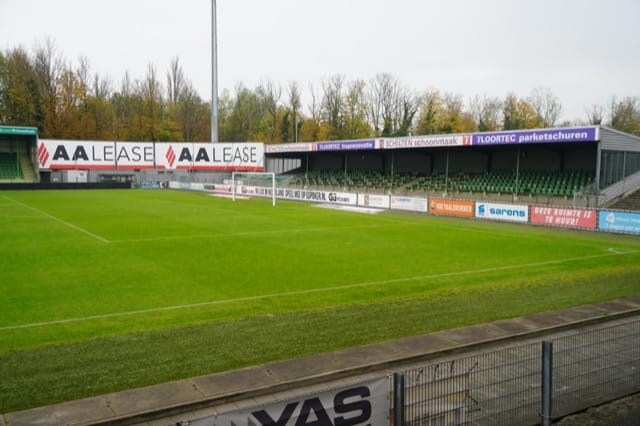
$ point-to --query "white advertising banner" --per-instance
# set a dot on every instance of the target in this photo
(301, 195)
(364, 403)
(412, 204)
(289, 147)
(507, 212)
(218, 188)
(423, 141)
(134, 155)
(101, 155)
(374, 200)
(69, 155)
(210, 156)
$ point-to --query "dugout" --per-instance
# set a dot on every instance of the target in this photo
(594, 163)
(18, 154)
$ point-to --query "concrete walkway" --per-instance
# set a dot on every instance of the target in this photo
(190, 398)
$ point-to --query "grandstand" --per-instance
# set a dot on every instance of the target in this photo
(583, 166)
(17, 149)
(549, 183)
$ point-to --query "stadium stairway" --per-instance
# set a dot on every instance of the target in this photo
(630, 202)
(183, 400)
(27, 168)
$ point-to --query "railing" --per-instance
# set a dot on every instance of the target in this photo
(505, 387)
(627, 184)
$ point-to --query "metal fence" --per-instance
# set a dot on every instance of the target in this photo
(504, 387)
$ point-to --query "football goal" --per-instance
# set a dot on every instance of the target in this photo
(254, 183)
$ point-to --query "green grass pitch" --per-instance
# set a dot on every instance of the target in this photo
(107, 290)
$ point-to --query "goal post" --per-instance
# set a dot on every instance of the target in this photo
(260, 179)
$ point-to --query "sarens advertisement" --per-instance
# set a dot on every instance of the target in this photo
(507, 212)
(102, 155)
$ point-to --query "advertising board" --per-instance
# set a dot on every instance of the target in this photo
(101, 155)
(424, 141)
(331, 197)
(616, 221)
(346, 145)
(564, 217)
(506, 212)
(451, 207)
(288, 147)
(374, 200)
(69, 155)
(412, 204)
(365, 403)
(576, 134)
(134, 155)
(210, 156)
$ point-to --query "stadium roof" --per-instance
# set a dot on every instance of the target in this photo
(18, 131)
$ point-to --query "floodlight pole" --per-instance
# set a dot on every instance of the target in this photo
(214, 74)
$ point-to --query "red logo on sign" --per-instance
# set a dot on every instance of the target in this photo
(466, 140)
(170, 156)
(43, 154)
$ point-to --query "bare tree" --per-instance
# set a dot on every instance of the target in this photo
(384, 103)
(392, 107)
(295, 103)
(83, 74)
(355, 111)
(151, 95)
(332, 105)
(270, 93)
(546, 105)
(314, 108)
(409, 105)
(595, 115)
(48, 65)
(175, 81)
(486, 112)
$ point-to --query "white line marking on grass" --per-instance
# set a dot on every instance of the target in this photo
(252, 233)
(64, 222)
(349, 208)
(311, 291)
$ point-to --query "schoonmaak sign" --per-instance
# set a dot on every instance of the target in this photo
(99, 155)
(357, 404)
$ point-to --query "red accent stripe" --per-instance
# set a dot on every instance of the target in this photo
(221, 168)
(43, 154)
(136, 167)
(81, 167)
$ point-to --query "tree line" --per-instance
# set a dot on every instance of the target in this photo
(67, 101)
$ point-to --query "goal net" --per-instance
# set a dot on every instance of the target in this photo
(260, 184)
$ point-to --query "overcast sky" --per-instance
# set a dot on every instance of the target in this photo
(585, 51)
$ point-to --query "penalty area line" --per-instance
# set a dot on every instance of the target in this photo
(315, 290)
(57, 219)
